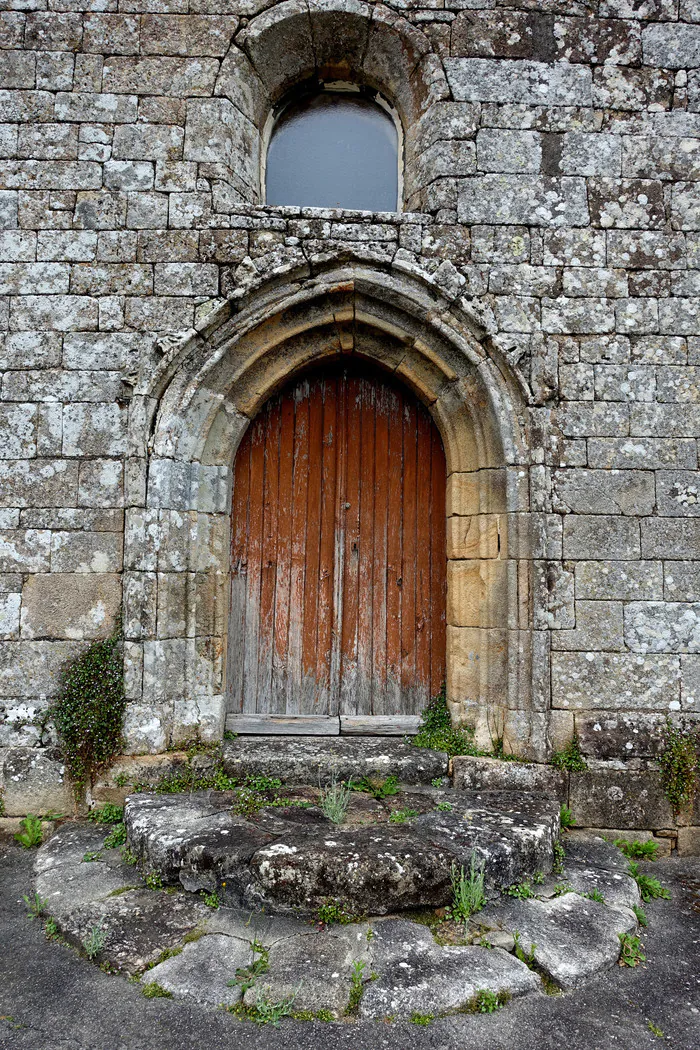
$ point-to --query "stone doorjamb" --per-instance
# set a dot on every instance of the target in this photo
(186, 422)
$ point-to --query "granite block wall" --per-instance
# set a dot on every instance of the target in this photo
(552, 197)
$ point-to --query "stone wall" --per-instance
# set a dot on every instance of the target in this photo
(552, 179)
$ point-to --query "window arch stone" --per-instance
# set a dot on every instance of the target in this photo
(293, 43)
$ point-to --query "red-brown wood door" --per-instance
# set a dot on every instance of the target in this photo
(338, 551)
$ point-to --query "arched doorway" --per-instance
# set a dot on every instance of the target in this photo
(338, 557)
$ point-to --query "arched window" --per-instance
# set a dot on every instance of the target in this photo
(335, 149)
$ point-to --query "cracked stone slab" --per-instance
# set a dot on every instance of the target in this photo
(191, 836)
(139, 925)
(618, 890)
(513, 833)
(203, 969)
(571, 937)
(417, 975)
(372, 870)
(316, 970)
(585, 850)
(310, 760)
(67, 882)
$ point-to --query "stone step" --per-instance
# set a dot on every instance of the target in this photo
(315, 760)
(289, 858)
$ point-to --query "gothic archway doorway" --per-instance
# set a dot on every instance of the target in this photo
(338, 558)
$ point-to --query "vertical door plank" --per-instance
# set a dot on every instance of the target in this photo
(421, 688)
(366, 551)
(394, 555)
(284, 557)
(300, 491)
(253, 580)
(239, 573)
(383, 397)
(311, 699)
(268, 571)
(326, 581)
(438, 564)
(349, 628)
(408, 561)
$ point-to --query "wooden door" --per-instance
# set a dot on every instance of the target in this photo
(338, 556)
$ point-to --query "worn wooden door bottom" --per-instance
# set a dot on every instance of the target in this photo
(323, 725)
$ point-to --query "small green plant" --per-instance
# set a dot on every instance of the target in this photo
(522, 890)
(266, 1011)
(116, 837)
(153, 990)
(36, 905)
(638, 850)
(211, 899)
(467, 890)
(246, 976)
(376, 786)
(437, 782)
(400, 816)
(121, 780)
(312, 1015)
(95, 940)
(437, 732)
(649, 887)
(335, 800)
(487, 1002)
(538, 878)
(91, 855)
(51, 929)
(154, 880)
(566, 818)
(562, 888)
(229, 735)
(30, 833)
(356, 986)
(654, 1030)
(421, 1019)
(128, 857)
(525, 957)
(107, 814)
(631, 953)
(89, 711)
(559, 857)
(595, 895)
(679, 759)
(444, 807)
(570, 757)
(333, 912)
(640, 915)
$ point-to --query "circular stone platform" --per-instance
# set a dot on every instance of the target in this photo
(387, 855)
(394, 966)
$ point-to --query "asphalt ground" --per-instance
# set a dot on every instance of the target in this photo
(52, 999)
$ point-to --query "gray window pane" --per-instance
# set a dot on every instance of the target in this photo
(334, 150)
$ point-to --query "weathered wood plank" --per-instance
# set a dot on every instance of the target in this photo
(379, 725)
(292, 725)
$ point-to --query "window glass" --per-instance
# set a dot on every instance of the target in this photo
(335, 150)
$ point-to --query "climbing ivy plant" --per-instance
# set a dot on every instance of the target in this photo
(89, 712)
